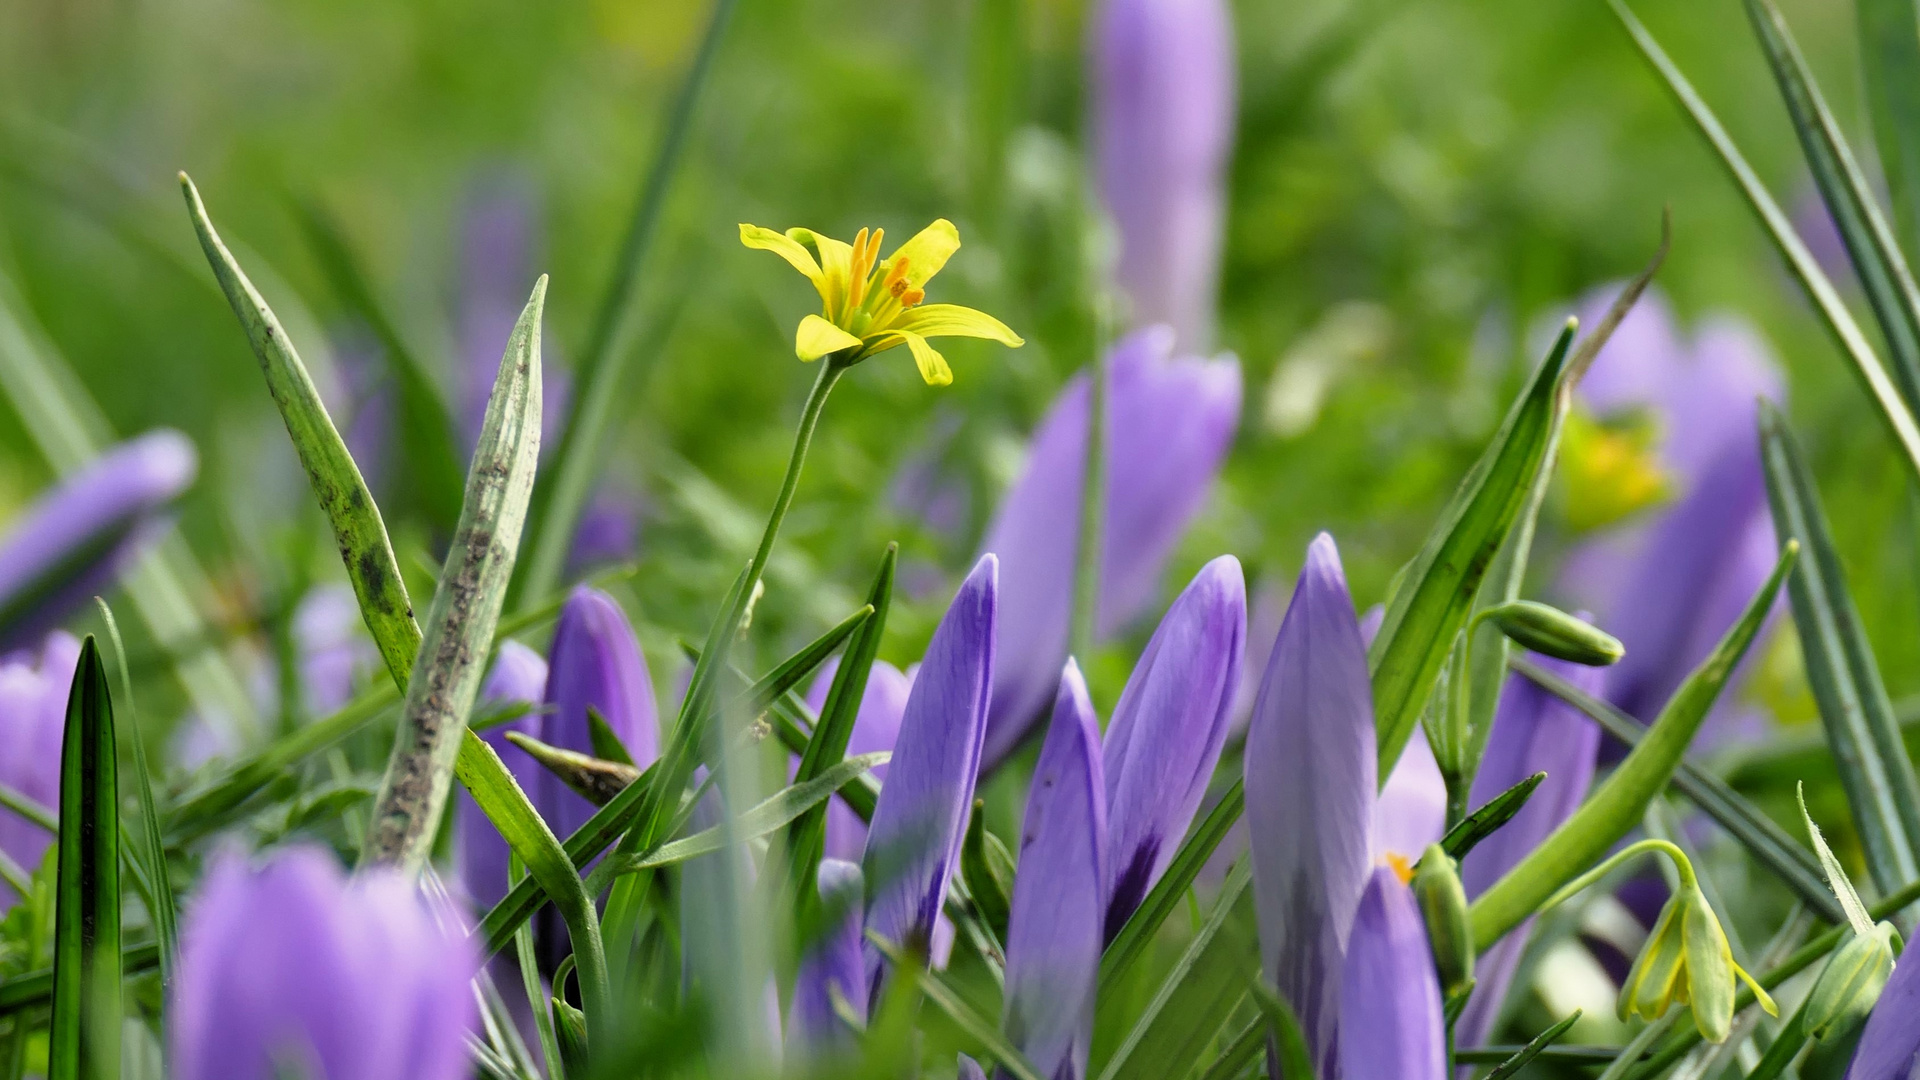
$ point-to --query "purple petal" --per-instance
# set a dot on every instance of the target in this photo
(1167, 731)
(291, 964)
(1059, 893)
(499, 238)
(970, 1069)
(1533, 731)
(595, 663)
(875, 727)
(72, 541)
(835, 960)
(1310, 780)
(608, 532)
(519, 674)
(1169, 423)
(335, 651)
(1411, 811)
(33, 717)
(1889, 1047)
(1163, 92)
(1391, 1025)
(922, 813)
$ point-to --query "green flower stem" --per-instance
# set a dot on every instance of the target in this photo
(1632, 1051)
(1667, 848)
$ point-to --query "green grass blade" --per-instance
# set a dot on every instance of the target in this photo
(152, 849)
(83, 1038)
(1875, 771)
(964, 1015)
(335, 479)
(601, 368)
(1890, 62)
(466, 608)
(529, 965)
(1169, 893)
(1527, 1053)
(1240, 1053)
(1433, 601)
(1840, 322)
(774, 811)
(1487, 820)
(1884, 275)
(1773, 846)
(1618, 804)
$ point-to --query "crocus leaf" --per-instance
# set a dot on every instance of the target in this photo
(466, 607)
(331, 472)
(1169, 893)
(1288, 1041)
(1485, 821)
(151, 847)
(1617, 805)
(1893, 409)
(1242, 1051)
(1890, 61)
(1868, 752)
(1527, 1053)
(1843, 889)
(1767, 841)
(83, 1037)
(601, 736)
(987, 869)
(1432, 603)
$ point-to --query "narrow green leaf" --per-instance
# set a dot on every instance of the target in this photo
(965, 1016)
(529, 965)
(1882, 270)
(430, 478)
(152, 850)
(1432, 603)
(1868, 751)
(1890, 62)
(1169, 893)
(793, 724)
(1199, 995)
(987, 869)
(1241, 1052)
(1842, 885)
(773, 812)
(1618, 804)
(1893, 410)
(1532, 1050)
(466, 606)
(596, 780)
(1487, 820)
(35, 811)
(1289, 1043)
(601, 367)
(331, 472)
(83, 1038)
(605, 742)
(1768, 842)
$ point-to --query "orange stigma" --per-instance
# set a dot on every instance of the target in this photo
(1402, 869)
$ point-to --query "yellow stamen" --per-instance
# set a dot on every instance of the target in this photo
(857, 273)
(1401, 867)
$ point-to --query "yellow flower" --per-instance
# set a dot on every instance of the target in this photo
(870, 305)
(1611, 470)
(1686, 961)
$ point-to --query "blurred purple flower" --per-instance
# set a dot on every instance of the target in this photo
(33, 718)
(1889, 1047)
(1310, 779)
(335, 651)
(364, 396)
(519, 674)
(925, 488)
(595, 663)
(712, 888)
(1822, 237)
(1533, 731)
(921, 816)
(499, 242)
(1169, 423)
(609, 530)
(1168, 729)
(289, 967)
(73, 540)
(832, 964)
(1163, 105)
(1391, 1024)
(876, 727)
(970, 1069)
(1054, 935)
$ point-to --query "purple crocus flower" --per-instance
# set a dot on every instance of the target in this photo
(1054, 935)
(499, 241)
(1533, 731)
(1168, 729)
(833, 964)
(1169, 423)
(875, 727)
(1391, 1023)
(290, 967)
(970, 1069)
(519, 674)
(1163, 92)
(595, 663)
(335, 651)
(1889, 1047)
(72, 541)
(1310, 778)
(33, 718)
(921, 816)
(609, 530)
(1411, 810)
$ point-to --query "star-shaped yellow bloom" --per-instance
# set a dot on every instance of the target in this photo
(870, 305)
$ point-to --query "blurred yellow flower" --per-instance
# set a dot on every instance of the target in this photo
(1611, 470)
(870, 305)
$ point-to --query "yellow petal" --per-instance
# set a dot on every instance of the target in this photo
(836, 268)
(952, 320)
(784, 246)
(927, 252)
(933, 366)
(817, 337)
(1759, 992)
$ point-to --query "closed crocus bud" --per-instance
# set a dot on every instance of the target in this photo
(290, 968)
(518, 675)
(1551, 632)
(831, 967)
(1169, 421)
(1167, 731)
(73, 540)
(595, 663)
(1391, 1018)
(33, 716)
(875, 728)
(920, 819)
(1850, 984)
(1443, 905)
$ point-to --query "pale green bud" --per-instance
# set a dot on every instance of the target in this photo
(1687, 961)
(1548, 630)
(1850, 984)
(1443, 903)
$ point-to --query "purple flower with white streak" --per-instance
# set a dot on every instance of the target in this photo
(519, 674)
(1391, 1023)
(33, 718)
(834, 964)
(73, 540)
(291, 968)
(1889, 1047)
(1169, 423)
(875, 728)
(1168, 729)
(921, 817)
(1054, 935)
(595, 663)
(1163, 105)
